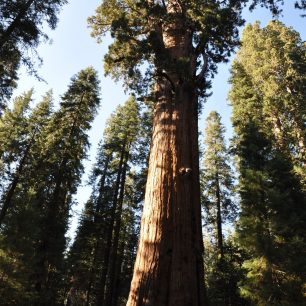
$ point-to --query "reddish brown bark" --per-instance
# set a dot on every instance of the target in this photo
(110, 294)
(168, 269)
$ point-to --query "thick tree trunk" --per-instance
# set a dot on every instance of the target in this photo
(169, 266)
(169, 269)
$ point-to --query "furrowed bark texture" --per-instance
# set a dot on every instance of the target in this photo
(169, 269)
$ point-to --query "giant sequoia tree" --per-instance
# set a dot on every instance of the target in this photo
(181, 42)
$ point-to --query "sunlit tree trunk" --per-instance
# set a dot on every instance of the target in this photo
(169, 268)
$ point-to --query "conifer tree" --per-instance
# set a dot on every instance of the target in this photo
(220, 209)
(19, 227)
(181, 42)
(274, 63)
(107, 226)
(271, 227)
(21, 30)
(63, 150)
(218, 179)
(13, 124)
(222, 278)
(37, 221)
(15, 143)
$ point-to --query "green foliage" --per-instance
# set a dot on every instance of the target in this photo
(108, 228)
(141, 53)
(21, 23)
(217, 174)
(222, 271)
(138, 27)
(267, 116)
(270, 228)
(64, 148)
(13, 133)
(19, 152)
(41, 192)
(222, 278)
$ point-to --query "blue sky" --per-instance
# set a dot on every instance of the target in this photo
(72, 49)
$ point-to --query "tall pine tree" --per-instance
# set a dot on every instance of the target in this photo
(21, 30)
(64, 148)
(217, 179)
(19, 218)
(271, 225)
(222, 274)
(36, 223)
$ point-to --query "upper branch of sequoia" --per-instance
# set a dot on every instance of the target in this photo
(146, 32)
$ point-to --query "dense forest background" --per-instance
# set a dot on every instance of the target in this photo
(64, 243)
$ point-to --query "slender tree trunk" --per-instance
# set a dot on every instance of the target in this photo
(92, 272)
(52, 229)
(101, 189)
(219, 218)
(109, 234)
(97, 225)
(11, 28)
(9, 195)
(114, 252)
(169, 264)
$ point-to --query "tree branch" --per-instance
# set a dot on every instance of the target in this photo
(201, 75)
